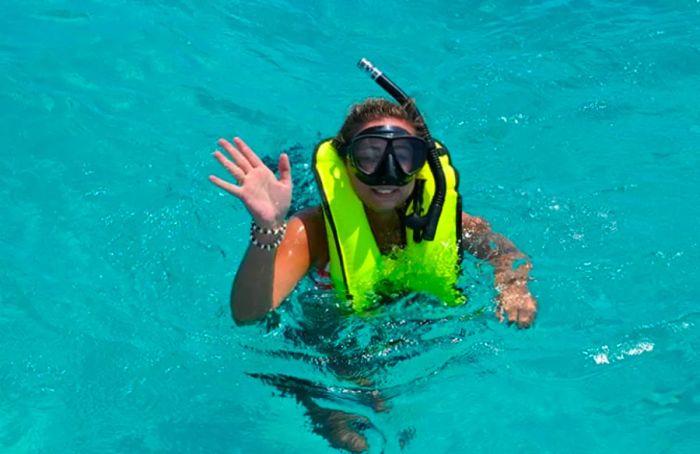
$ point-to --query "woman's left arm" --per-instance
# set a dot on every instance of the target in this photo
(511, 269)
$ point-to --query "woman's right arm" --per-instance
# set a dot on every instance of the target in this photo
(266, 275)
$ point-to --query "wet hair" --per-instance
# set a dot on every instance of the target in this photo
(368, 110)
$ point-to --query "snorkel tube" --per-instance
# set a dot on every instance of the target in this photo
(424, 227)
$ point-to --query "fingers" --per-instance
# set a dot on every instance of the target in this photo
(225, 185)
(525, 318)
(238, 157)
(513, 315)
(517, 309)
(522, 319)
(232, 168)
(527, 311)
(252, 158)
(285, 169)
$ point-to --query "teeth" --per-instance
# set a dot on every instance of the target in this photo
(384, 191)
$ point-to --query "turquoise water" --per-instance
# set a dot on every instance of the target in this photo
(574, 125)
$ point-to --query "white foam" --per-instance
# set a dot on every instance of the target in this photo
(640, 348)
(605, 356)
(601, 358)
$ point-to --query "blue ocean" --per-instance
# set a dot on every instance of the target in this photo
(574, 125)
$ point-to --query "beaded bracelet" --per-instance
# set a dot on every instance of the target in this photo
(278, 233)
(254, 227)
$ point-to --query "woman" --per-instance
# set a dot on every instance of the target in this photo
(282, 253)
(372, 177)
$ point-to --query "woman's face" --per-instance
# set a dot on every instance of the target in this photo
(382, 198)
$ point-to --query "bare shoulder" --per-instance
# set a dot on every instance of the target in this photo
(310, 220)
(474, 224)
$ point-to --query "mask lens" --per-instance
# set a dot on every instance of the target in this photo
(410, 153)
(368, 152)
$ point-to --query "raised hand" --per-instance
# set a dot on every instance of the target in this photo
(266, 198)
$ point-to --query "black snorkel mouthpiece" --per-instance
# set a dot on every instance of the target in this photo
(424, 227)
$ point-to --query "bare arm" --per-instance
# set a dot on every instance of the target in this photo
(269, 273)
(511, 269)
(265, 278)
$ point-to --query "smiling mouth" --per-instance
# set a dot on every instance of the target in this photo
(384, 191)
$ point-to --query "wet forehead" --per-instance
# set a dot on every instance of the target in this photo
(392, 122)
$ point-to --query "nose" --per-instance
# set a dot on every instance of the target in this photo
(390, 169)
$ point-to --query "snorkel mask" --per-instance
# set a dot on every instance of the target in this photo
(424, 226)
(386, 155)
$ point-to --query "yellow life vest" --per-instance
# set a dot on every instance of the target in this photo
(358, 270)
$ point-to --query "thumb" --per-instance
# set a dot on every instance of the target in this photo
(285, 169)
